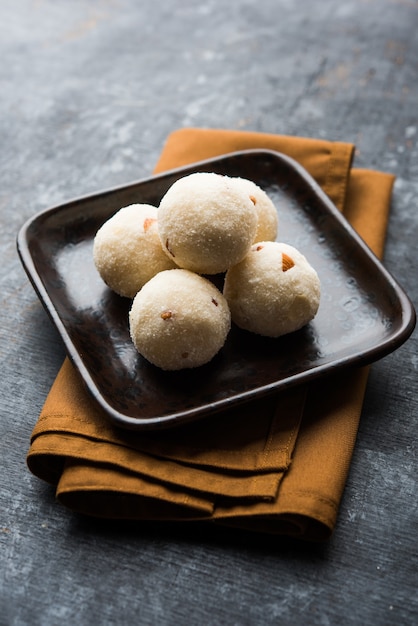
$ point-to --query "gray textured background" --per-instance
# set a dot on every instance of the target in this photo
(89, 92)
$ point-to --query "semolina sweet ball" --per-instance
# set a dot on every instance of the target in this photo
(127, 250)
(268, 220)
(273, 291)
(206, 223)
(179, 320)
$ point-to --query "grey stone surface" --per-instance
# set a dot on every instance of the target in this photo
(89, 92)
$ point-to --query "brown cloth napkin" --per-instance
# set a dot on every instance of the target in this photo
(277, 465)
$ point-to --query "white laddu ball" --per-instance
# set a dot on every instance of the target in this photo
(273, 291)
(127, 250)
(179, 320)
(206, 223)
(268, 219)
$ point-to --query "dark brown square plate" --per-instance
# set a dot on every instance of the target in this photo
(364, 314)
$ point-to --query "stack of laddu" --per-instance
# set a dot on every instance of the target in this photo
(162, 257)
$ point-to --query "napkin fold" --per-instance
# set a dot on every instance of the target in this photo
(276, 465)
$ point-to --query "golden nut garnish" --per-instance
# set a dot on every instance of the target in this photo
(166, 315)
(148, 222)
(287, 262)
(253, 199)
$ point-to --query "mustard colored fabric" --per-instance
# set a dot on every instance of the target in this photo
(275, 465)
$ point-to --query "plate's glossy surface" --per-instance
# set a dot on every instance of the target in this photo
(363, 315)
